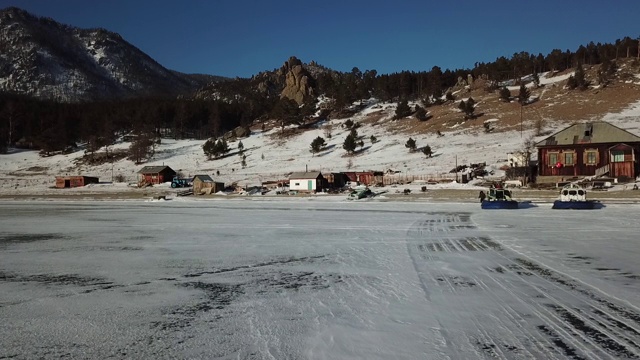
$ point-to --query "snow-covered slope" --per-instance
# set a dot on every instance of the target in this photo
(272, 157)
(49, 60)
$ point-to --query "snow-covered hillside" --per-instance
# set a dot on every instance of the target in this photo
(271, 157)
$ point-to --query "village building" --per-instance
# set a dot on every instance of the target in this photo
(588, 149)
(75, 181)
(204, 184)
(336, 180)
(311, 181)
(368, 178)
(156, 174)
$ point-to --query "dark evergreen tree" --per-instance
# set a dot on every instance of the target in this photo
(350, 144)
(523, 95)
(141, 148)
(505, 94)
(427, 151)
(411, 145)
(421, 113)
(210, 149)
(317, 144)
(468, 108)
(536, 79)
(403, 110)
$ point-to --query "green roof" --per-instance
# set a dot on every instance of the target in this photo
(598, 132)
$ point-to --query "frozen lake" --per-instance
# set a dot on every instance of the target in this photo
(317, 280)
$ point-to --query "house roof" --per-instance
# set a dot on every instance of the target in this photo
(305, 175)
(203, 178)
(154, 169)
(598, 132)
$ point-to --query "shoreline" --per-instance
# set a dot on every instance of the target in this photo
(431, 195)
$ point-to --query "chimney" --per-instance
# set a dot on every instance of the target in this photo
(306, 168)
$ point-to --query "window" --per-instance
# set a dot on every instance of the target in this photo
(553, 158)
(296, 184)
(617, 156)
(569, 158)
(591, 157)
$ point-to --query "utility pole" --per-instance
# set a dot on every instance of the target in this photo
(456, 168)
(521, 106)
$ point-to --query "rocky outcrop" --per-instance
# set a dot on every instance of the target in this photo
(298, 82)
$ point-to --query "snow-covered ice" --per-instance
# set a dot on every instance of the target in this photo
(317, 279)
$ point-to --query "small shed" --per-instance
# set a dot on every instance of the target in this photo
(156, 174)
(365, 177)
(75, 181)
(336, 180)
(310, 181)
(204, 184)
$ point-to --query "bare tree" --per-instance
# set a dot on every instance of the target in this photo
(327, 131)
(539, 126)
(527, 150)
(349, 163)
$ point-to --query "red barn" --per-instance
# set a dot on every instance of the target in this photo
(156, 174)
(74, 181)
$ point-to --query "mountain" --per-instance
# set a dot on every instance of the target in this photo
(42, 58)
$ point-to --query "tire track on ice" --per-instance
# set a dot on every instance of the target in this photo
(477, 340)
(542, 312)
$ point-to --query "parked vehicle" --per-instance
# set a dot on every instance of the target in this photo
(573, 197)
(499, 198)
(177, 182)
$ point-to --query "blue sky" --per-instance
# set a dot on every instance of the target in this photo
(244, 37)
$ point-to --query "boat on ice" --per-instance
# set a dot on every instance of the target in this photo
(499, 198)
(573, 197)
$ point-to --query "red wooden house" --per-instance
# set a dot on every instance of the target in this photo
(74, 181)
(588, 149)
(156, 174)
(365, 177)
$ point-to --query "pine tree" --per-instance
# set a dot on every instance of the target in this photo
(403, 110)
(411, 145)
(348, 124)
(209, 148)
(373, 139)
(580, 82)
(141, 148)
(350, 144)
(523, 95)
(421, 113)
(467, 107)
(536, 80)
(427, 151)
(505, 94)
(317, 144)
(240, 147)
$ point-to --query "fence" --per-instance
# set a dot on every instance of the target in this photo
(407, 178)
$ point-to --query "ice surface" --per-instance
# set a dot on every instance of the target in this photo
(314, 279)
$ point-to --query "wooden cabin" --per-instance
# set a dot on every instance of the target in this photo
(204, 184)
(368, 178)
(588, 149)
(75, 181)
(156, 174)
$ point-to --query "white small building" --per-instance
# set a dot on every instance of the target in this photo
(306, 181)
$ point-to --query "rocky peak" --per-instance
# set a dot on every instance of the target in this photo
(298, 81)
